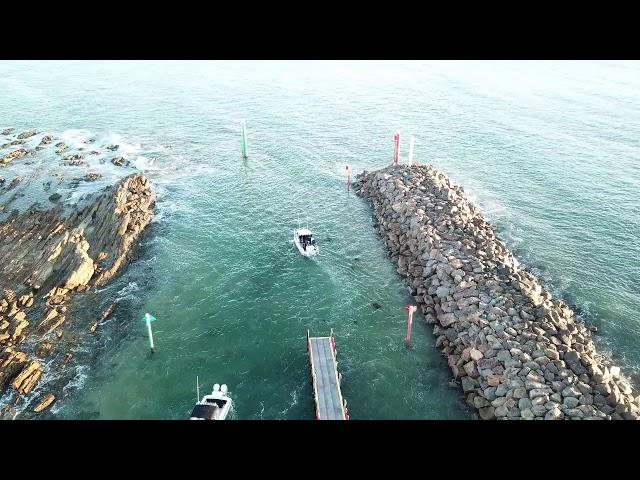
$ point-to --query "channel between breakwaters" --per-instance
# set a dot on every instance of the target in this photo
(517, 352)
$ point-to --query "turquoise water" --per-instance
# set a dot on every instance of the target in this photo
(549, 150)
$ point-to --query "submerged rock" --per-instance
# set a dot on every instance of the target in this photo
(46, 140)
(92, 177)
(61, 148)
(27, 134)
(13, 184)
(8, 158)
(120, 162)
(103, 316)
(45, 403)
(73, 160)
(13, 143)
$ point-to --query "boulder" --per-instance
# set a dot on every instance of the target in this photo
(45, 403)
(120, 162)
(487, 413)
(554, 414)
(571, 402)
(468, 384)
(475, 355)
(27, 134)
(527, 414)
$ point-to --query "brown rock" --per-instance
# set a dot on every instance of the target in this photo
(44, 349)
(92, 177)
(45, 403)
(25, 380)
(26, 134)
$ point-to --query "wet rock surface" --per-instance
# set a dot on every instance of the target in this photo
(92, 177)
(120, 162)
(76, 159)
(50, 255)
(517, 352)
(9, 157)
(26, 134)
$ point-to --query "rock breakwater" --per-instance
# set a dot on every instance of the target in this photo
(517, 352)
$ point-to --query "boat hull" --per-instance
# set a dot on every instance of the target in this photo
(311, 251)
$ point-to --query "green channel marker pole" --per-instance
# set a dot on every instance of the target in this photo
(149, 318)
(245, 153)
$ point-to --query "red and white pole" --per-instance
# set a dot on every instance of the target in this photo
(410, 309)
(396, 153)
(348, 173)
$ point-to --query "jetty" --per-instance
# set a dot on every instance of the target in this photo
(514, 349)
(326, 380)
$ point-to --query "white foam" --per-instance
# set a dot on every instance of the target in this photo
(143, 164)
(127, 291)
(79, 379)
(76, 137)
(125, 149)
(158, 217)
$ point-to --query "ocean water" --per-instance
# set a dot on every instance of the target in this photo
(549, 151)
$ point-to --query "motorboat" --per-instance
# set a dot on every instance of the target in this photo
(214, 406)
(303, 239)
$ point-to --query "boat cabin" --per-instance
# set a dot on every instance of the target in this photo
(305, 237)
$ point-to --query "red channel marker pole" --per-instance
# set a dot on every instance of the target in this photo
(396, 153)
(348, 173)
(410, 309)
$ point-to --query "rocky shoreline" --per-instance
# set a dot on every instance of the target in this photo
(49, 255)
(517, 352)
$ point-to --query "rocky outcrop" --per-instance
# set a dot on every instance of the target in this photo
(92, 177)
(47, 258)
(120, 162)
(72, 160)
(45, 403)
(12, 184)
(9, 157)
(46, 140)
(13, 143)
(103, 316)
(26, 134)
(517, 352)
(61, 147)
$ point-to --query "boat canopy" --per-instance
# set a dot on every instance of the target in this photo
(208, 412)
(304, 232)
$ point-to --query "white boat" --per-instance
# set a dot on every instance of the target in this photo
(215, 406)
(303, 238)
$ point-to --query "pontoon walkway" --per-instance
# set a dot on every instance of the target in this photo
(326, 381)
